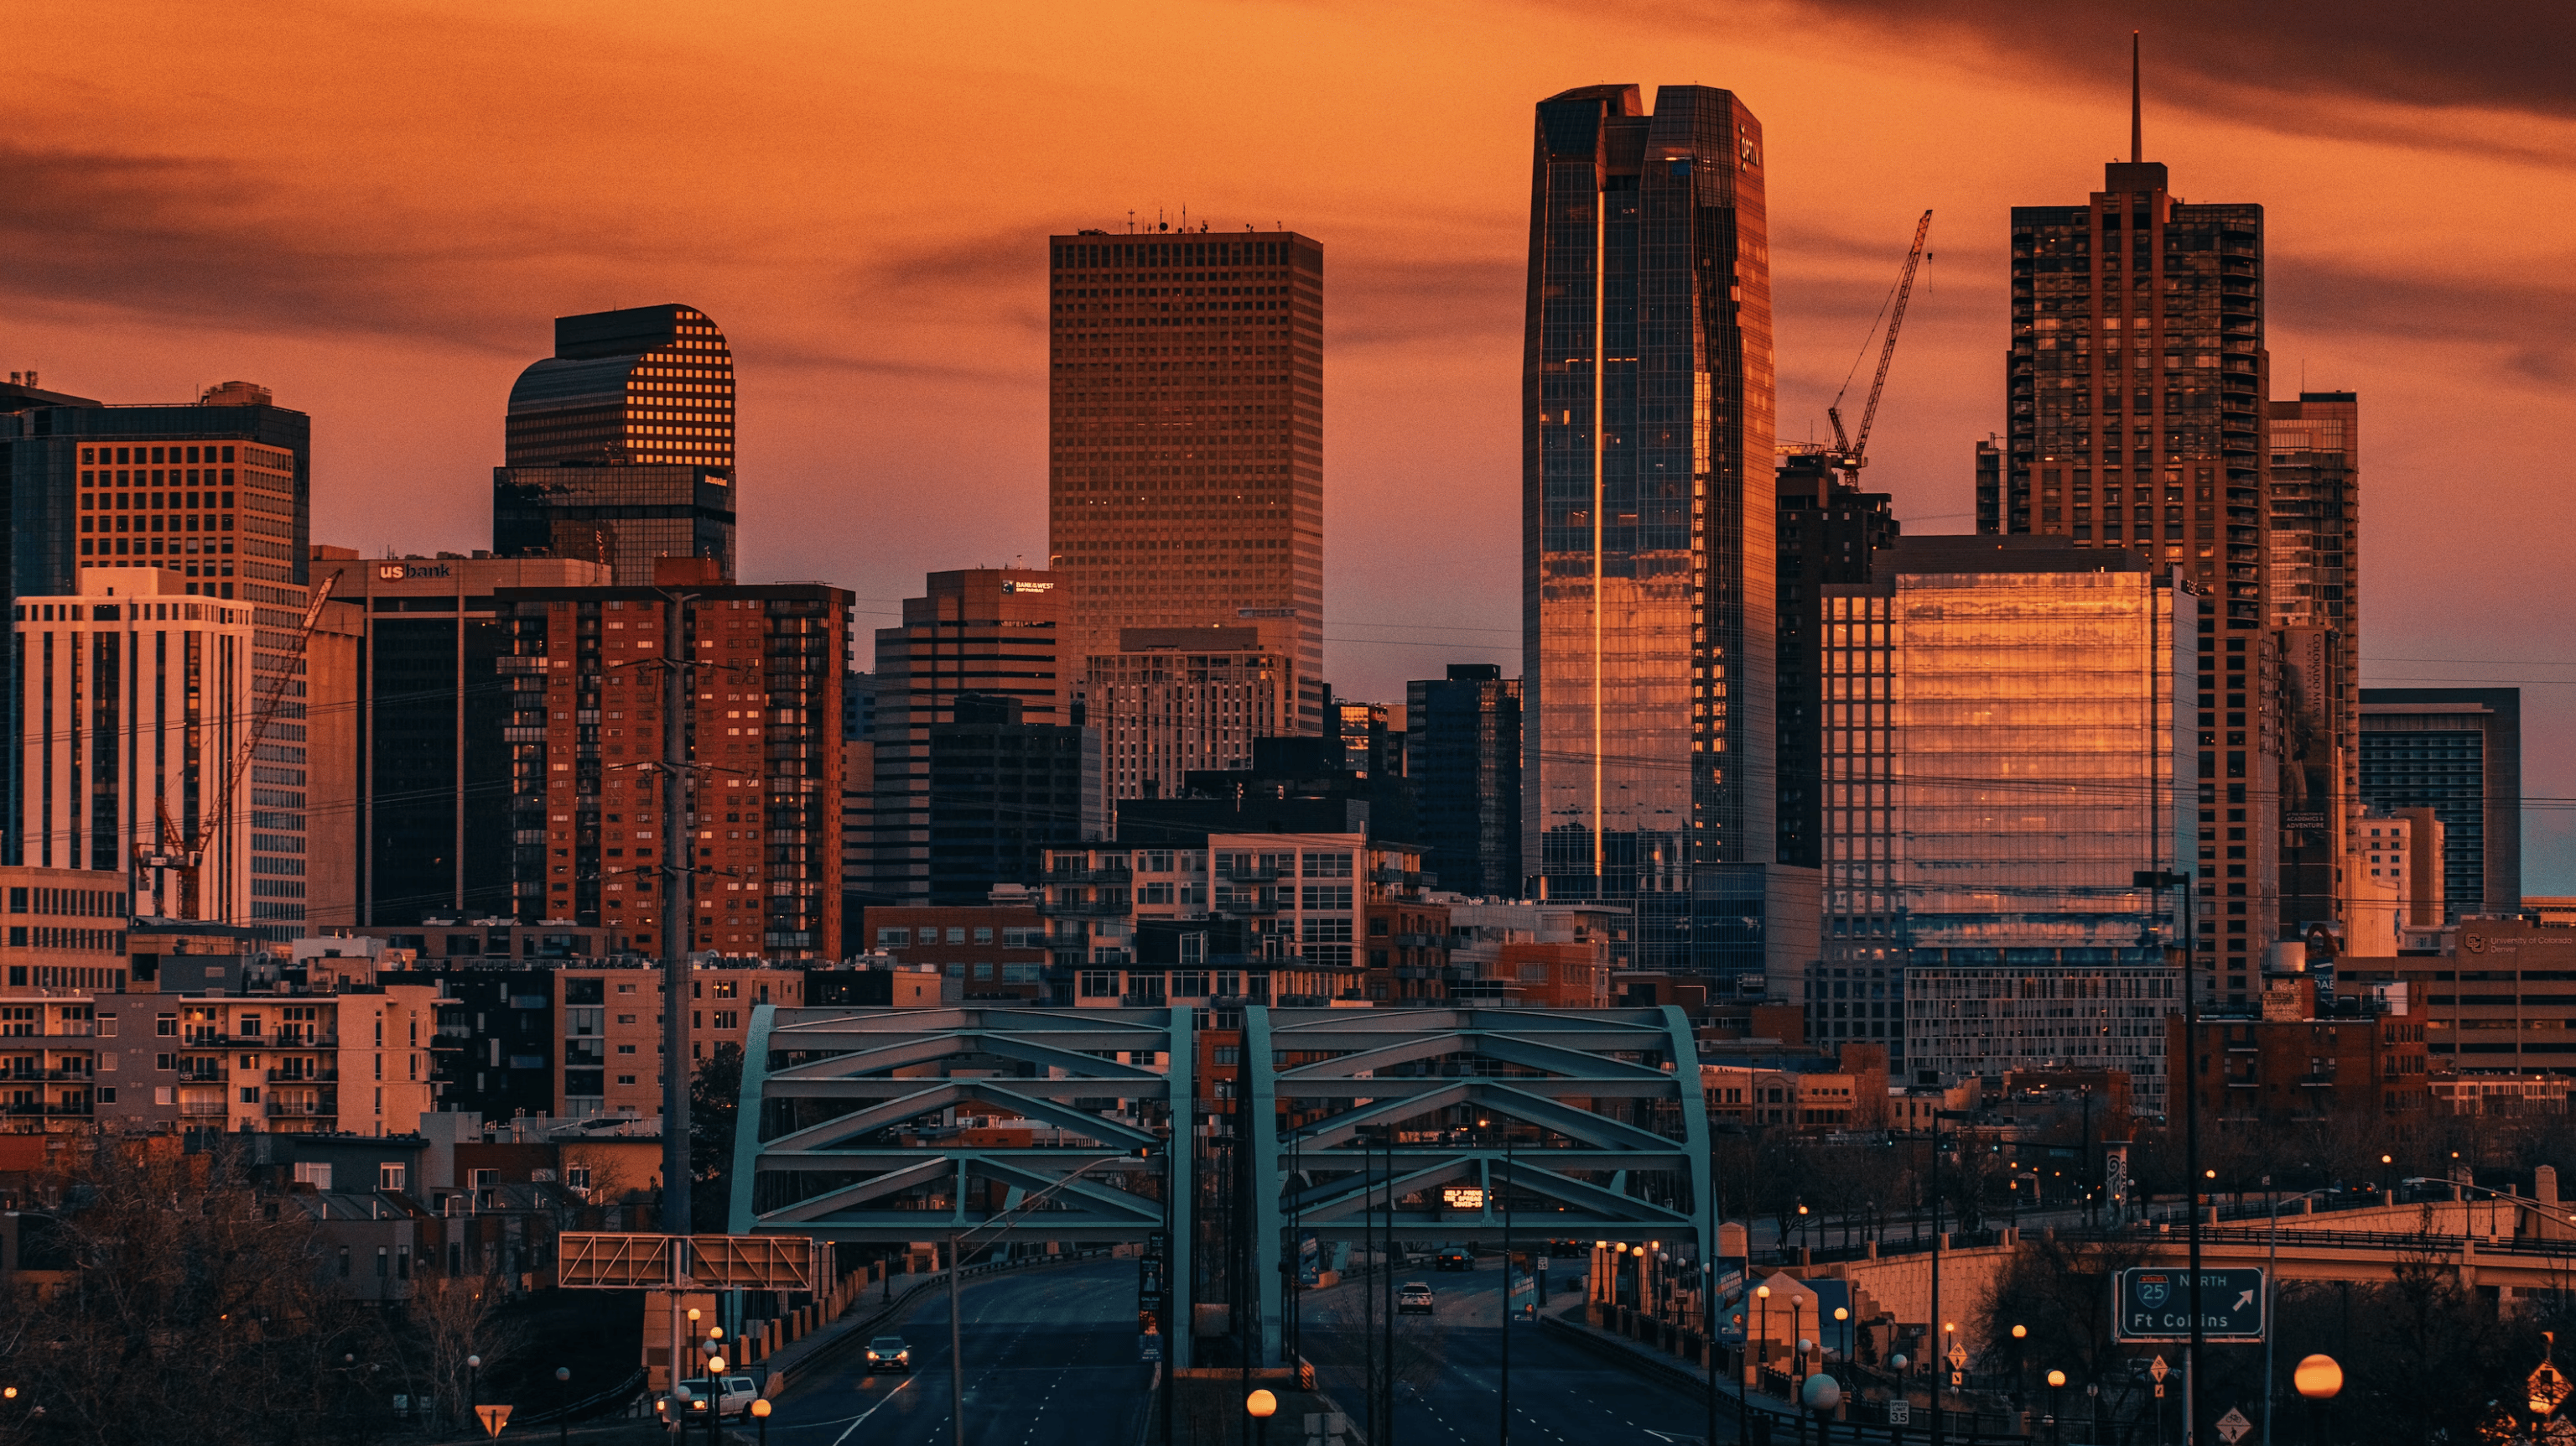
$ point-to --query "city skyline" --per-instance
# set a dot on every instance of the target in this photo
(859, 400)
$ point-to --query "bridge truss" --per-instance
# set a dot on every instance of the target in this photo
(1584, 1124)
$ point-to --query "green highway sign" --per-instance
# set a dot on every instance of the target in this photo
(2153, 1303)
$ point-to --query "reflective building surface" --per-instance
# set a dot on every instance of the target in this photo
(2458, 752)
(620, 445)
(1648, 529)
(2001, 754)
(1185, 474)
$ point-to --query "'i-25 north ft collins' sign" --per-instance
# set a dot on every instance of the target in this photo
(2153, 1303)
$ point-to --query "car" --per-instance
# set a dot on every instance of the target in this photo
(1455, 1257)
(1413, 1298)
(889, 1353)
(733, 1399)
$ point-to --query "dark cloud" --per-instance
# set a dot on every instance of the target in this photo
(2510, 55)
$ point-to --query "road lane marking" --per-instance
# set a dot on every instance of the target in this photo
(862, 1418)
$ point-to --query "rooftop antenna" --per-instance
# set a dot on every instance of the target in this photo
(2137, 126)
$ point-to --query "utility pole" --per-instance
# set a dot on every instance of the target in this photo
(679, 869)
(2161, 880)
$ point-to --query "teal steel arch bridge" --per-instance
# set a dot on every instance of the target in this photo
(897, 1125)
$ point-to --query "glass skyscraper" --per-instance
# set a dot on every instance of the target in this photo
(619, 447)
(1648, 603)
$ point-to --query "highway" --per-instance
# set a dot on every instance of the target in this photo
(1449, 1362)
(1050, 1358)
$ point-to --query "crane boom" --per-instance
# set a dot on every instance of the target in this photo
(182, 855)
(1851, 452)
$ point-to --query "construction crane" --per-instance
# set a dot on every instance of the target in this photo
(1850, 453)
(174, 851)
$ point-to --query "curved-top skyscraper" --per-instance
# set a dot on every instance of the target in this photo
(619, 447)
(1648, 608)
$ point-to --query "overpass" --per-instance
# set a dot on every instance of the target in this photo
(1430, 1124)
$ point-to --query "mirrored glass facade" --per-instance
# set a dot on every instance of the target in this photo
(1647, 497)
(2001, 755)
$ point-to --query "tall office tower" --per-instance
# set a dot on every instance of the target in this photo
(2137, 381)
(584, 733)
(134, 698)
(1648, 525)
(1367, 744)
(993, 632)
(1185, 477)
(219, 495)
(428, 763)
(2458, 752)
(1176, 701)
(1003, 791)
(1462, 750)
(2315, 543)
(2136, 388)
(619, 447)
(1830, 531)
(2010, 754)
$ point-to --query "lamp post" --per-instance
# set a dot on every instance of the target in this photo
(2318, 1378)
(2271, 1297)
(2056, 1408)
(715, 1390)
(563, 1411)
(2160, 880)
(760, 1414)
(1260, 1406)
(1797, 1307)
(1762, 1293)
(1820, 1393)
(1842, 1315)
(2020, 1333)
(473, 1390)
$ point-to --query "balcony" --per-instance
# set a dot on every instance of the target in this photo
(201, 1110)
(301, 1109)
(1242, 875)
(1117, 875)
(309, 1076)
(1110, 909)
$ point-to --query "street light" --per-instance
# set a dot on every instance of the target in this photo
(563, 1411)
(2056, 1411)
(1821, 1393)
(473, 1396)
(2318, 1378)
(1843, 1314)
(760, 1413)
(1261, 1406)
(2271, 1296)
(1762, 1293)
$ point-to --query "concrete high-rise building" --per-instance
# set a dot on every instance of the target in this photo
(133, 700)
(619, 447)
(584, 734)
(2458, 752)
(1462, 752)
(2315, 544)
(218, 494)
(2003, 751)
(2136, 384)
(1649, 530)
(1185, 475)
(1176, 701)
(1830, 531)
(427, 766)
(984, 632)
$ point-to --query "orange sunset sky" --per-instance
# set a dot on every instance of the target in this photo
(375, 209)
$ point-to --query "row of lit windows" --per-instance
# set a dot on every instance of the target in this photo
(148, 456)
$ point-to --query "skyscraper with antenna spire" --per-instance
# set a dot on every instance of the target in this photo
(2135, 409)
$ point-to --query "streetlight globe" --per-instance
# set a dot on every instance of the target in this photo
(1762, 1292)
(715, 1333)
(563, 1373)
(8, 1393)
(693, 1314)
(1260, 1405)
(1821, 1392)
(1842, 1313)
(1805, 1344)
(2318, 1378)
(473, 1363)
(1898, 1362)
(715, 1363)
(2056, 1379)
(2386, 1160)
(1802, 1209)
(2020, 1332)
(761, 1408)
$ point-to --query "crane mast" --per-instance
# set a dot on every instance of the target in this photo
(172, 851)
(1850, 454)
